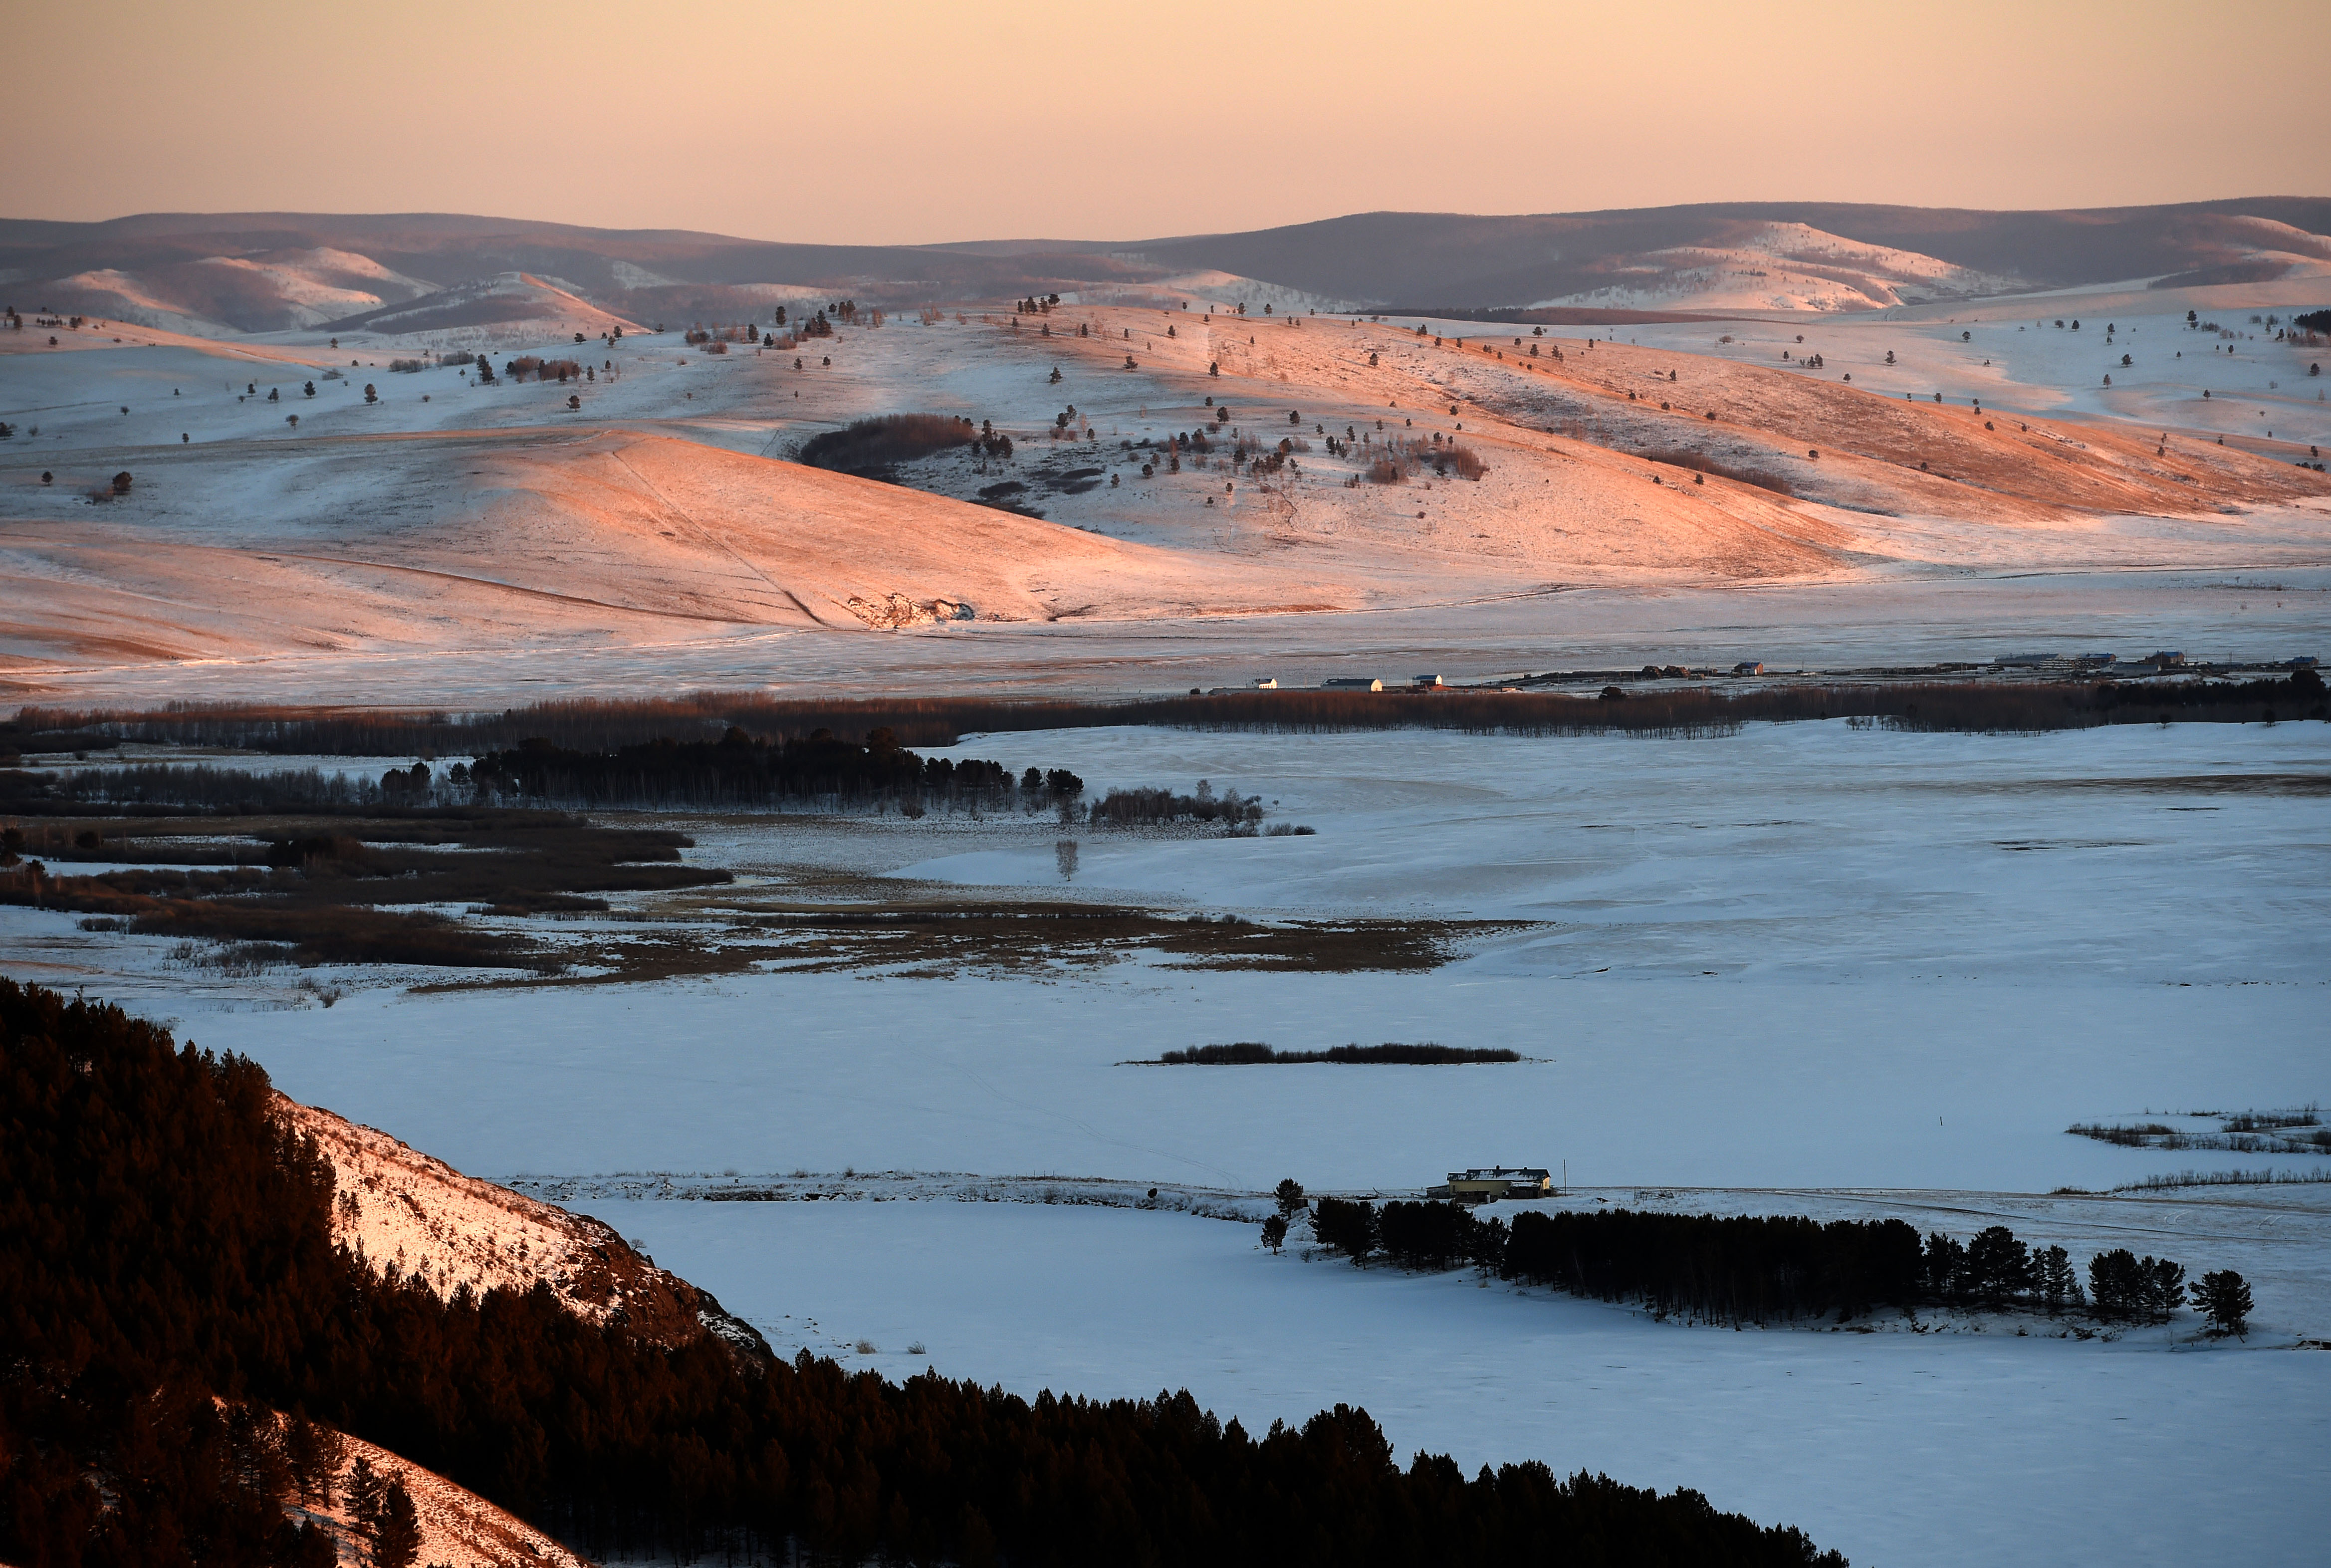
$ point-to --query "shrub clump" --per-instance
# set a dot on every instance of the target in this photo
(872, 447)
(1148, 805)
(528, 366)
(1250, 1053)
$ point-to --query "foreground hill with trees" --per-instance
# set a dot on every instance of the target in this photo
(190, 1342)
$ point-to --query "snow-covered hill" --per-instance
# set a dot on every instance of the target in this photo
(1780, 267)
(652, 507)
(459, 1529)
(417, 1217)
(224, 295)
(493, 312)
(177, 269)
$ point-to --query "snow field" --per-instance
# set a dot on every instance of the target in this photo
(1895, 1449)
(1799, 955)
(1651, 1082)
(2023, 363)
(256, 562)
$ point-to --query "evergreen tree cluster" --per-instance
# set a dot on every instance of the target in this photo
(167, 1282)
(2123, 1284)
(1764, 1268)
(816, 769)
(1973, 707)
(1144, 805)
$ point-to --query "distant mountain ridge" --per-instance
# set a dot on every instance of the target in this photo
(224, 273)
(1419, 258)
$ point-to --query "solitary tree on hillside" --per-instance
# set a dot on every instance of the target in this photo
(365, 1491)
(1274, 1233)
(1290, 1195)
(396, 1535)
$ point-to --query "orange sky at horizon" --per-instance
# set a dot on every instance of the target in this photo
(900, 121)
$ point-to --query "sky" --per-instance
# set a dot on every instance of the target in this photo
(898, 122)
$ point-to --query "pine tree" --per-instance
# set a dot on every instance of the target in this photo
(365, 1491)
(1946, 1267)
(2223, 1297)
(2164, 1286)
(1274, 1233)
(2059, 1285)
(1998, 1266)
(396, 1535)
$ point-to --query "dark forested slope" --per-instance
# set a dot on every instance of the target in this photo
(167, 1271)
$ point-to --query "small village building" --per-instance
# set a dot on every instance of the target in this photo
(1487, 1185)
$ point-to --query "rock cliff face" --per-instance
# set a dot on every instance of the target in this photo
(896, 612)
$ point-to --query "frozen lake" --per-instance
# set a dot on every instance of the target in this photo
(1798, 957)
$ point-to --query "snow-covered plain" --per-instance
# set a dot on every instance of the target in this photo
(1800, 954)
(2011, 358)
(1896, 1448)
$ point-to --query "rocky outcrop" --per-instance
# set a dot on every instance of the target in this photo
(896, 612)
